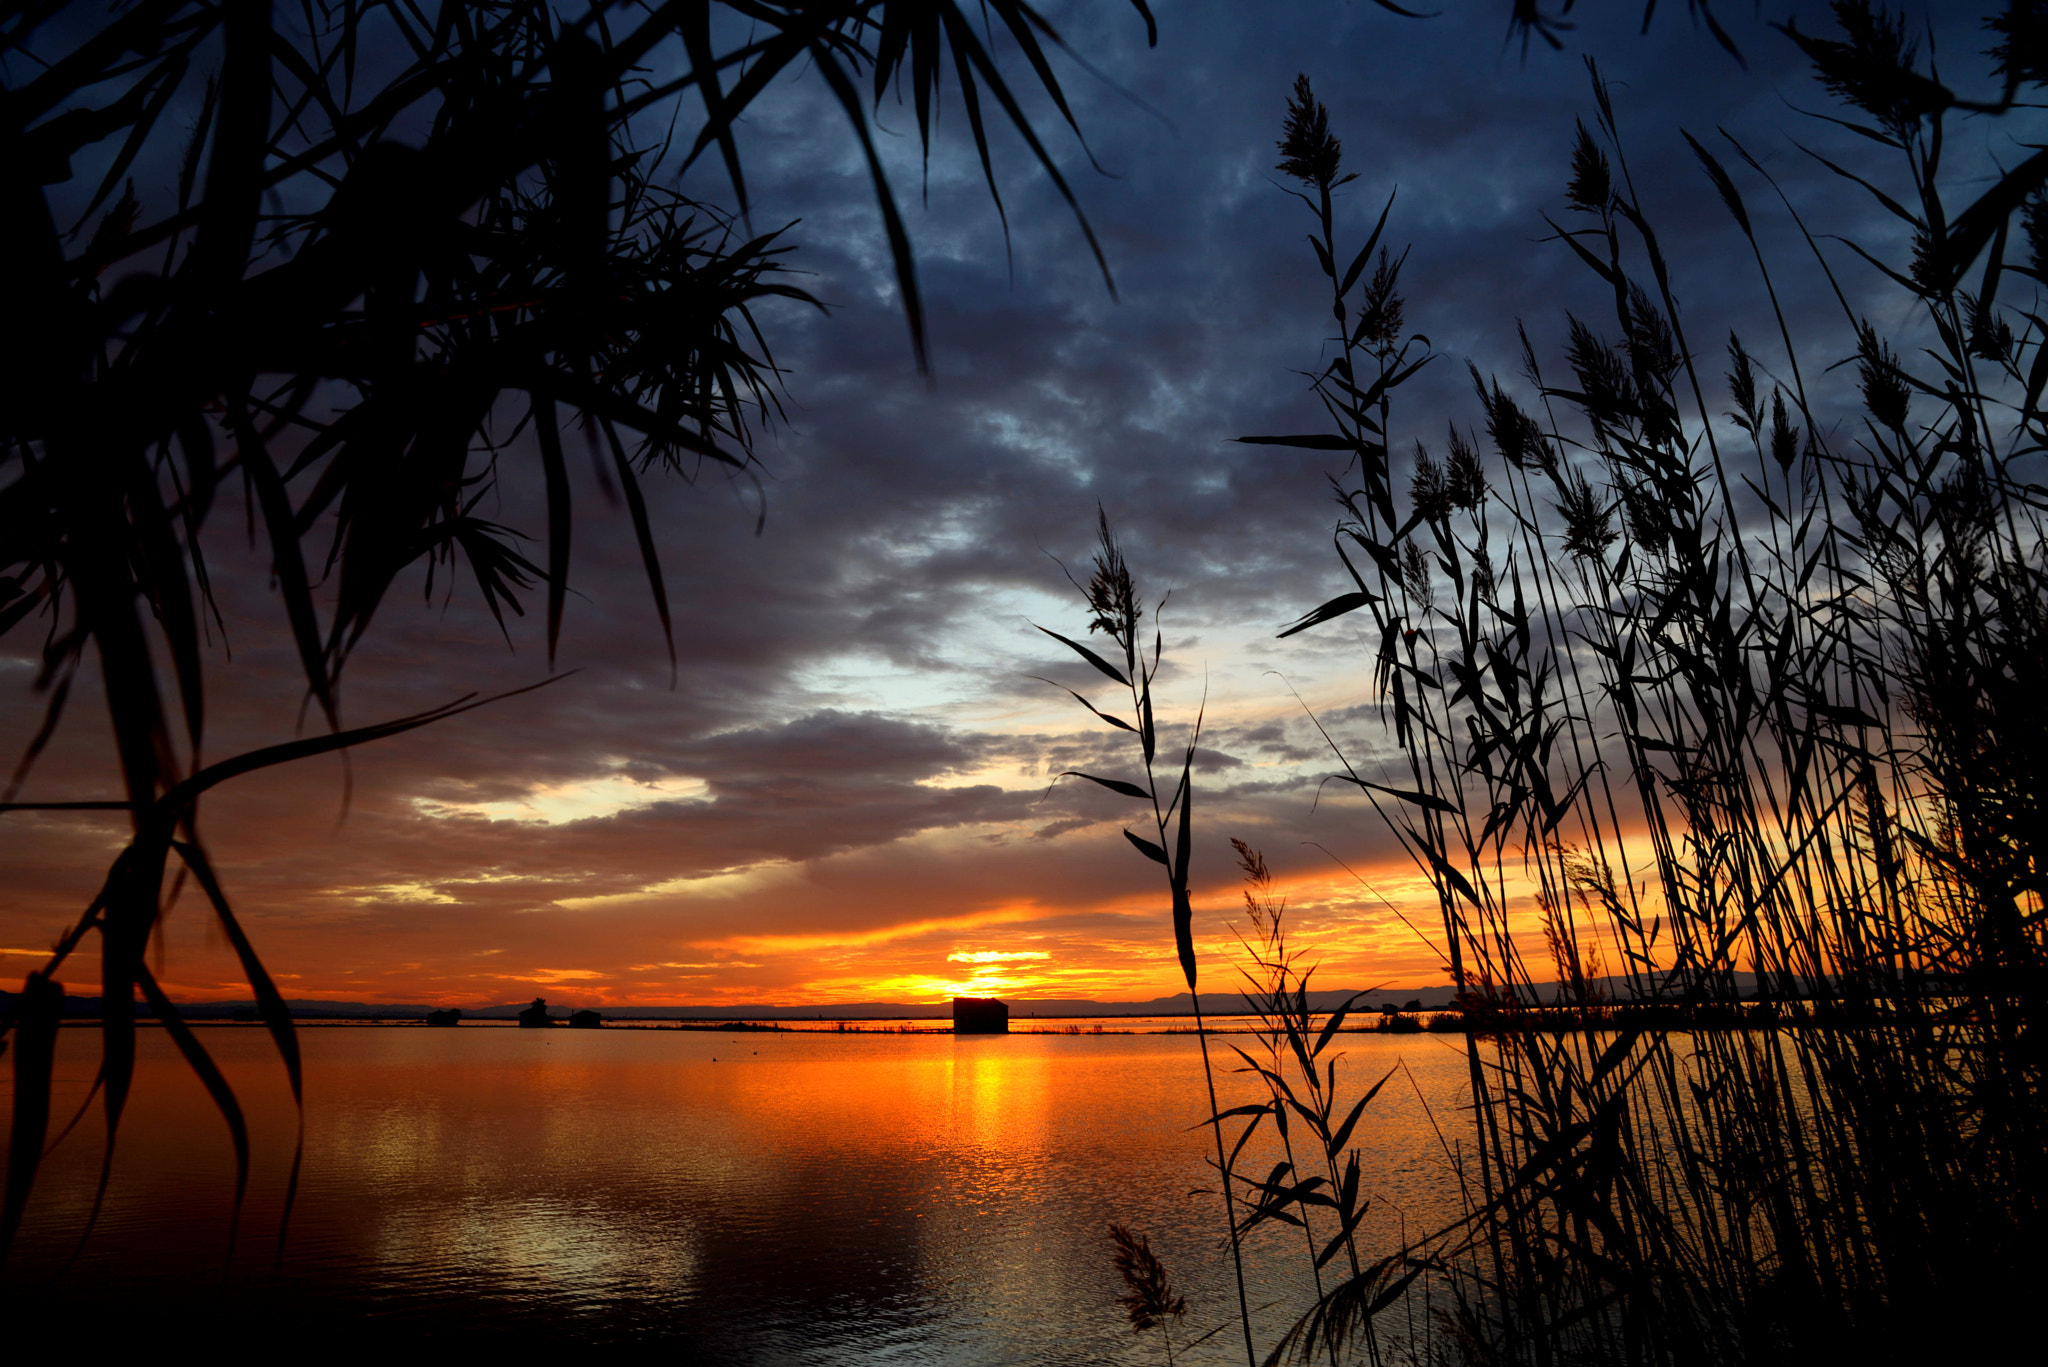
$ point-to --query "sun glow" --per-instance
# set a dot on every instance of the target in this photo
(994, 985)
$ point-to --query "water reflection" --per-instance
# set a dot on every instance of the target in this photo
(761, 1197)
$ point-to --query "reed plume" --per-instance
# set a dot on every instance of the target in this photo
(1149, 1298)
(1756, 750)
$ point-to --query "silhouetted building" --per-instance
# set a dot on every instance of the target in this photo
(448, 1017)
(585, 1020)
(535, 1016)
(980, 1016)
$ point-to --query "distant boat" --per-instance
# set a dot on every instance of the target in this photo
(451, 1016)
(585, 1020)
(535, 1016)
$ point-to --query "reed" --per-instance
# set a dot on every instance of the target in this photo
(1116, 609)
(1149, 1298)
(1314, 1186)
(1725, 682)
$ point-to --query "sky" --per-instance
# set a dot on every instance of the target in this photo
(847, 789)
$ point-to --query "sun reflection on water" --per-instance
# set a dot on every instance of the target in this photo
(759, 1195)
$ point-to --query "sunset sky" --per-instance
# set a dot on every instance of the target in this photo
(846, 791)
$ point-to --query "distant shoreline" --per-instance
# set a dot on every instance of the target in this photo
(1707, 1017)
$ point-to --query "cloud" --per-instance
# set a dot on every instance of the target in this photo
(849, 775)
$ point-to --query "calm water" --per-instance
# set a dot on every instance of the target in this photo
(750, 1198)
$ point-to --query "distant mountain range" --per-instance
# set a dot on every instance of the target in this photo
(1213, 1003)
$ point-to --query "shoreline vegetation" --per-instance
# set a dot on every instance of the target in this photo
(1695, 680)
(1483, 1020)
(1698, 675)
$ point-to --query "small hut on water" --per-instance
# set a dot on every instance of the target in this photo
(980, 1016)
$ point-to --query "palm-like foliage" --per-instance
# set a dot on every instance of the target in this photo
(397, 245)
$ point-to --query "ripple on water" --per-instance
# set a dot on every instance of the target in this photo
(814, 1198)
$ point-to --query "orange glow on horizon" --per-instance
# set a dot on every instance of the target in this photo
(1116, 948)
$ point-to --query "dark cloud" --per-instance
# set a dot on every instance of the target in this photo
(852, 687)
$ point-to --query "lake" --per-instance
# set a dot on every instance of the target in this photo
(744, 1197)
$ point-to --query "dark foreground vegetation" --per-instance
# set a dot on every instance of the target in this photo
(330, 269)
(1724, 658)
(1709, 657)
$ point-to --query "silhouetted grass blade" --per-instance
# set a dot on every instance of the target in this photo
(1308, 441)
(209, 1075)
(892, 220)
(241, 137)
(643, 534)
(1091, 657)
(288, 564)
(1183, 909)
(1972, 230)
(1336, 607)
(555, 470)
(270, 1003)
(1118, 722)
(1115, 785)
(39, 1009)
(1021, 20)
(1147, 848)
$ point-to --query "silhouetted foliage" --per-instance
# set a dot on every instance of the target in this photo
(1118, 611)
(1772, 720)
(1149, 1297)
(379, 252)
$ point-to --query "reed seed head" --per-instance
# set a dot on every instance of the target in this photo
(1742, 387)
(1308, 150)
(1609, 393)
(1588, 531)
(1592, 185)
(1260, 905)
(1784, 436)
(1514, 433)
(1484, 582)
(1149, 1298)
(1427, 490)
(1465, 479)
(1924, 272)
(1112, 597)
(1381, 315)
(1415, 575)
(1884, 387)
(2035, 220)
(1872, 68)
(1646, 516)
(1990, 335)
(2021, 55)
(1253, 863)
(1652, 347)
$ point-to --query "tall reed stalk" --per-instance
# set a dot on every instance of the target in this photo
(1317, 1186)
(1730, 687)
(1116, 610)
